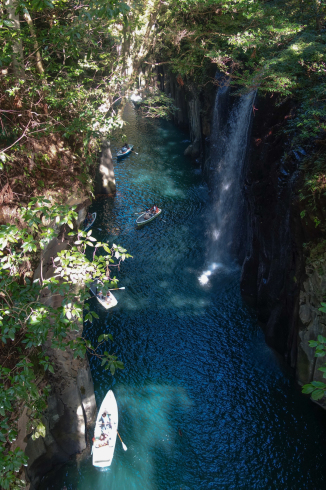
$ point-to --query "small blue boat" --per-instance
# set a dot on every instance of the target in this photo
(89, 224)
(124, 151)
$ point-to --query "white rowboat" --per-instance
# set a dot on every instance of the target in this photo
(105, 433)
(123, 152)
(106, 301)
(87, 227)
(148, 216)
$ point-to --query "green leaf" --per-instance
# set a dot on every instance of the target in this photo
(320, 354)
(318, 394)
(307, 389)
(318, 384)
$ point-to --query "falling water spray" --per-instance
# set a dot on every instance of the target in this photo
(229, 144)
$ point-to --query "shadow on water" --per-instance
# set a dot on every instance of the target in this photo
(203, 402)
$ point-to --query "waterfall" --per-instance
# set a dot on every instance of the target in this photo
(229, 142)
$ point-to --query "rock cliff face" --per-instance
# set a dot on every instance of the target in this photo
(273, 264)
(195, 110)
(278, 277)
(71, 404)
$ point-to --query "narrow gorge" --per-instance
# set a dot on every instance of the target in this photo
(216, 348)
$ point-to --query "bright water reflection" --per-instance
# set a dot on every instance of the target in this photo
(203, 402)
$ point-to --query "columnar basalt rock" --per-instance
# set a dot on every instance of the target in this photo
(273, 262)
(194, 110)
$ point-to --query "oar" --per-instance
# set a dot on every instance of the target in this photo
(123, 445)
(117, 289)
(134, 152)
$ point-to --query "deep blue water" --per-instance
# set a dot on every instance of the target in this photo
(203, 402)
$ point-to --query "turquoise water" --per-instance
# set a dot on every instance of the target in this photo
(203, 402)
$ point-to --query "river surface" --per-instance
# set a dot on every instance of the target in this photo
(203, 402)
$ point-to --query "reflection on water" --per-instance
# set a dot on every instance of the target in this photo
(203, 402)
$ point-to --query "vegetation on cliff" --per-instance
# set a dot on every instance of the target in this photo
(275, 47)
(317, 389)
(28, 318)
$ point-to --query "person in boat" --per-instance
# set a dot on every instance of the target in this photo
(108, 296)
(125, 147)
(104, 440)
(105, 420)
(88, 218)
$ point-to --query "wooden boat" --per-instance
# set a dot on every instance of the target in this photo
(123, 151)
(105, 433)
(148, 216)
(87, 227)
(106, 301)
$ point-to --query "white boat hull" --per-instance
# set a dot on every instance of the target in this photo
(141, 220)
(103, 451)
(109, 302)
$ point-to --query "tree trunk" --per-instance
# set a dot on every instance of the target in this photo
(152, 14)
(39, 64)
(17, 47)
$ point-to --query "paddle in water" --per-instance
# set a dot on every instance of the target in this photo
(123, 444)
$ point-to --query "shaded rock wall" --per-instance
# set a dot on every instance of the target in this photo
(195, 110)
(273, 263)
(275, 277)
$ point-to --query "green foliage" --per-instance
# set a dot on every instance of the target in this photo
(275, 47)
(317, 389)
(27, 322)
(157, 105)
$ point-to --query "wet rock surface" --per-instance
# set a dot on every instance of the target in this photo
(274, 263)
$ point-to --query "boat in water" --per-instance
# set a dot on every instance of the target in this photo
(148, 216)
(107, 301)
(88, 224)
(105, 433)
(124, 151)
